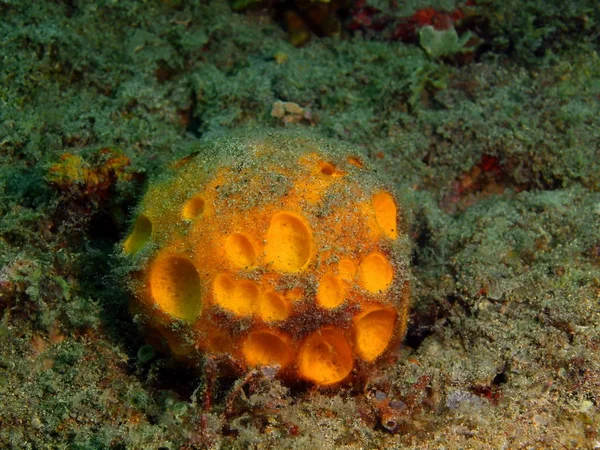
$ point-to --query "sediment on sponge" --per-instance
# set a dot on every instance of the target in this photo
(276, 249)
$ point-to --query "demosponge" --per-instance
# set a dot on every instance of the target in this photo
(275, 249)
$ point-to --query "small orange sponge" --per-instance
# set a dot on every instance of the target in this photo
(275, 249)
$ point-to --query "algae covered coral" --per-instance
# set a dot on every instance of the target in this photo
(495, 154)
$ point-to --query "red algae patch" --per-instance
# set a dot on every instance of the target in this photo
(279, 250)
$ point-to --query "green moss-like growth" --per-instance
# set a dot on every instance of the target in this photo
(497, 159)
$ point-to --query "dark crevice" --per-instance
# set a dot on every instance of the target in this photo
(192, 119)
(500, 378)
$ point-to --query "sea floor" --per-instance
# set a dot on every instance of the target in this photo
(484, 115)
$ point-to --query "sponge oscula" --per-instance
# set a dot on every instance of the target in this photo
(275, 249)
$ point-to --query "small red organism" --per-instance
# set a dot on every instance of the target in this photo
(490, 164)
(425, 16)
(484, 179)
(362, 17)
(491, 393)
(407, 30)
(293, 430)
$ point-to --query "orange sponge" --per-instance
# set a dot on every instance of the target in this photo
(276, 249)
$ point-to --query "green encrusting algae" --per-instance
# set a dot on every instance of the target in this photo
(488, 124)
